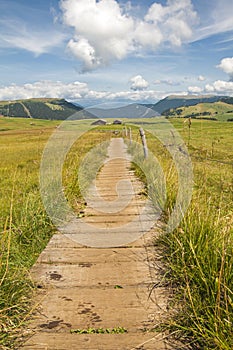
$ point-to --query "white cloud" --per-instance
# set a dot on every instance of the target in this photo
(175, 20)
(102, 32)
(82, 93)
(147, 35)
(195, 89)
(16, 34)
(75, 90)
(138, 83)
(226, 65)
(85, 52)
(169, 82)
(214, 19)
(220, 87)
(201, 78)
(105, 31)
(209, 88)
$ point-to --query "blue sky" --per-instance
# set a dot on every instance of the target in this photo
(93, 51)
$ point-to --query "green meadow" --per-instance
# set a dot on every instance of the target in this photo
(198, 254)
(25, 226)
(220, 110)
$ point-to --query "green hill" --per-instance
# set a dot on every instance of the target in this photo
(217, 111)
(42, 108)
(175, 101)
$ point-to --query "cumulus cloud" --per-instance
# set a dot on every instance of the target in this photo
(74, 91)
(138, 83)
(57, 89)
(101, 31)
(209, 88)
(82, 93)
(147, 35)
(195, 89)
(220, 87)
(174, 20)
(85, 52)
(104, 30)
(201, 78)
(226, 65)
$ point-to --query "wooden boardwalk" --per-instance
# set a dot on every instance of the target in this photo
(83, 287)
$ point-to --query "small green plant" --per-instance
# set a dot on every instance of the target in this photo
(117, 286)
(115, 330)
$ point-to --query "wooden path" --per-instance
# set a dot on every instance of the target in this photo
(83, 287)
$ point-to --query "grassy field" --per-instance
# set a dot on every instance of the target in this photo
(220, 110)
(198, 255)
(25, 226)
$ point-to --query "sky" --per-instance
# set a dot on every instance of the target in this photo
(101, 51)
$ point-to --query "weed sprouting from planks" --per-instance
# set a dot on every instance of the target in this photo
(115, 330)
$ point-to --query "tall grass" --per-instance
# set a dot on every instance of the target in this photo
(26, 231)
(198, 255)
(82, 165)
(24, 225)
(200, 259)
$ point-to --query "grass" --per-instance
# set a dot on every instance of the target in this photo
(87, 157)
(25, 125)
(115, 330)
(198, 255)
(25, 226)
(220, 110)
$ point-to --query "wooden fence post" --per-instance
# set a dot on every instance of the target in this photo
(143, 137)
(130, 135)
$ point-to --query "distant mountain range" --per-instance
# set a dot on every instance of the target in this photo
(166, 106)
(60, 109)
(133, 110)
(174, 101)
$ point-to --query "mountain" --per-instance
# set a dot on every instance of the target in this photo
(174, 101)
(133, 110)
(60, 109)
(43, 108)
(228, 100)
(167, 106)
